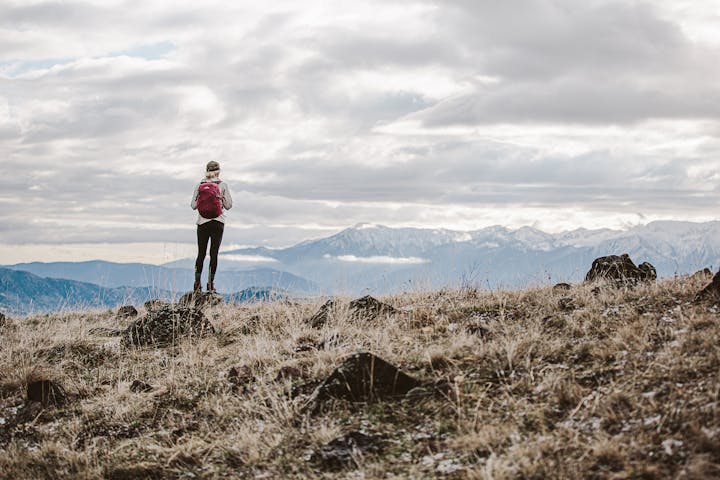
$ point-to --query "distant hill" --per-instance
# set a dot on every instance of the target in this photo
(112, 275)
(24, 293)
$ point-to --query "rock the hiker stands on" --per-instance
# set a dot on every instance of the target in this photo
(166, 325)
(620, 270)
(201, 299)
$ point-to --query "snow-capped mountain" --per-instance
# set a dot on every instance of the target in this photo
(375, 258)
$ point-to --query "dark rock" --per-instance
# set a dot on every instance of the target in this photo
(650, 274)
(341, 452)
(127, 311)
(554, 322)
(239, 378)
(322, 315)
(154, 304)
(138, 386)
(362, 377)
(479, 330)
(711, 292)
(46, 392)
(288, 373)
(3, 319)
(369, 307)
(620, 270)
(201, 299)
(106, 332)
(566, 304)
(167, 325)
(561, 287)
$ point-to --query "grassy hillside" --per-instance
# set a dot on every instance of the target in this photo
(529, 384)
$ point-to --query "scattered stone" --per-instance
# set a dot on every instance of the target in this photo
(3, 319)
(369, 307)
(479, 330)
(154, 304)
(342, 452)
(127, 311)
(322, 315)
(620, 270)
(566, 304)
(711, 292)
(46, 392)
(138, 386)
(288, 373)
(165, 326)
(554, 322)
(362, 377)
(561, 287)
(201, 299)
(240, 377)
(106, 332)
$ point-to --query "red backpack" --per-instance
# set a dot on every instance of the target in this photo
(209, 200)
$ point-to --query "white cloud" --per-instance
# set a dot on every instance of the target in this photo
(457, 114)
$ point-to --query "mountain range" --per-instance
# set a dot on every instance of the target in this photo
(376, 259)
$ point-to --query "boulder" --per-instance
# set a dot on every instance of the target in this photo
(166, 325)
(342, 451)
(561, 287)
(201, 299)
(3, 319)
(322, 315)
(127, 311)
(711, 292)
(702, 275)
(362, 377)
(46, 392)
(620, 270)
(369, 307)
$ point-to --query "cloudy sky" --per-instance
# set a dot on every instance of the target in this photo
(461, 114)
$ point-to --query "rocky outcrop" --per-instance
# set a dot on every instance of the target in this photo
(166, 326)
(369, 307)
(362, 377)
(620, 270)
(201, 299)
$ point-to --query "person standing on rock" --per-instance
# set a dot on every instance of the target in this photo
(210, 198)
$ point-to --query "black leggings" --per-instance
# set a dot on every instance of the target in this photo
(213, 231)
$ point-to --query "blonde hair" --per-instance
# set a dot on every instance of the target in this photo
(212, 174)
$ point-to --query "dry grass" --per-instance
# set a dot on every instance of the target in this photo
(619, 384)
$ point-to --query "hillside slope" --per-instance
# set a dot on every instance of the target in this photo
(593, 382)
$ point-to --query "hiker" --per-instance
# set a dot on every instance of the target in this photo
(210, 198)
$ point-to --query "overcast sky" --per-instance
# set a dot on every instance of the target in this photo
(461, 114)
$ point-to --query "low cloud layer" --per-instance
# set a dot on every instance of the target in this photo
(458, 114)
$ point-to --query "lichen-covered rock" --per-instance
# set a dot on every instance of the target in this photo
(705, 274)
(201, 299)
(362, 377)
(3, 319)
(561, 287)
(127, 311)
(322, 315)
(46, 392)
(166, 326)
(138, 386)
(621, 270)
(369, 307)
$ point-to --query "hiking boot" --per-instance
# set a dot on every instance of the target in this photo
(211, 287)
(197, 287)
